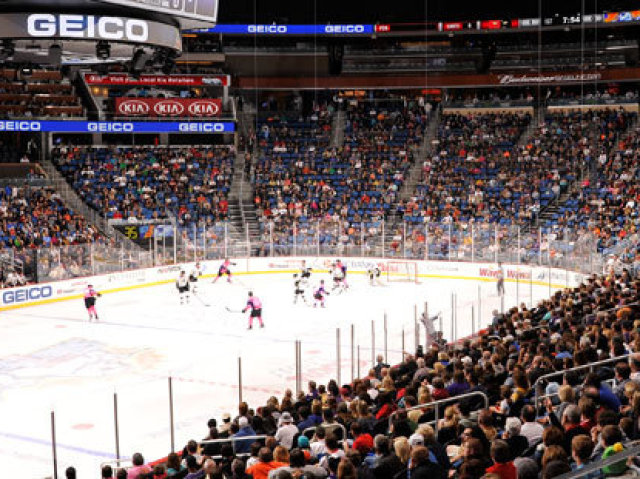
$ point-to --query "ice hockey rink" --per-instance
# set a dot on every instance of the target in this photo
(53, 359)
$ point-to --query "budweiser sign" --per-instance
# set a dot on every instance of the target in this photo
(169, 107)
(157, 80)
(559, 78)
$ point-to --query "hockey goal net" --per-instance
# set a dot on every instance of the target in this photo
(402, 271)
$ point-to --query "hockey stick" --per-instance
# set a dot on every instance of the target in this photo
(201, 300)
(233, 310)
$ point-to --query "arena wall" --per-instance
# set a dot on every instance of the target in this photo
(43, 293)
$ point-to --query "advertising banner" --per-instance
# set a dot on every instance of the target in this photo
(60, 126)
(169, 107)
(157, 80)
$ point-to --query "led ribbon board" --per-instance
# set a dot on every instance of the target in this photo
(118, 126)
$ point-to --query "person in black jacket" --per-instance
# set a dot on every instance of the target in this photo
(387, 464)
(421, 467)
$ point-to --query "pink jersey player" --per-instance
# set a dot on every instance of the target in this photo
(224, 269)
(319, 295)
(255, 305)
(90, 296)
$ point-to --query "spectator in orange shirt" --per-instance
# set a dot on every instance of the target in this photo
(265, 464)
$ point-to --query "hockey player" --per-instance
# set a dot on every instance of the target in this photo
(224, 269)
(305, 273)
(182, 284)
(343, 267)
(90, 295)
(374, 276)
(196, 272)
(500, 283)
(255, 305)
(319, 295)
(338, 277)
(298, 289)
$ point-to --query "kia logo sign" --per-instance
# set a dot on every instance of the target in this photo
(133, 107)
(204, 108)
(168, 108)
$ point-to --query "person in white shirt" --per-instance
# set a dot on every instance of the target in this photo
(286, 431)
(318, 446)
(531, 429)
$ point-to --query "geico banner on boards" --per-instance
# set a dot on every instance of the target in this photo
(169, 107)
(157, 80)
(60, 126)
(89, 27)
(26, 294)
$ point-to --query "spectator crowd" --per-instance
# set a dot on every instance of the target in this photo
(518, 401)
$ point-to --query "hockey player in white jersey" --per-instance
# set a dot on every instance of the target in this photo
(374, 276)
(338, 278)
(299, 285)
(196, 272)
(182, 285)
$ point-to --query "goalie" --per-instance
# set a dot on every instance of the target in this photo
(374, 276)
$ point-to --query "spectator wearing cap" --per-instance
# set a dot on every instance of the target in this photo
(287, 430)
(139, 467)
(245, 431)
(502, 463)
(223, 429)
(517, 442)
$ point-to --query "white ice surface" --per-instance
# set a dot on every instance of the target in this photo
(52, 359)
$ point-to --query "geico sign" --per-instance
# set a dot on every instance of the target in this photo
(87, 26)
(203, 108)
(26, 294)
(168, 108)
(201, 127)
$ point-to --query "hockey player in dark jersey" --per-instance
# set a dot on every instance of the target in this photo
(319, 295)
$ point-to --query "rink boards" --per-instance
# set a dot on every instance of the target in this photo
(65, 290)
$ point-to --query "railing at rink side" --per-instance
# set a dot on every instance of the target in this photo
(171, 243)
(216, 445)
(595, 468)
(435, 405)
(329, 429)
(584, 367)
